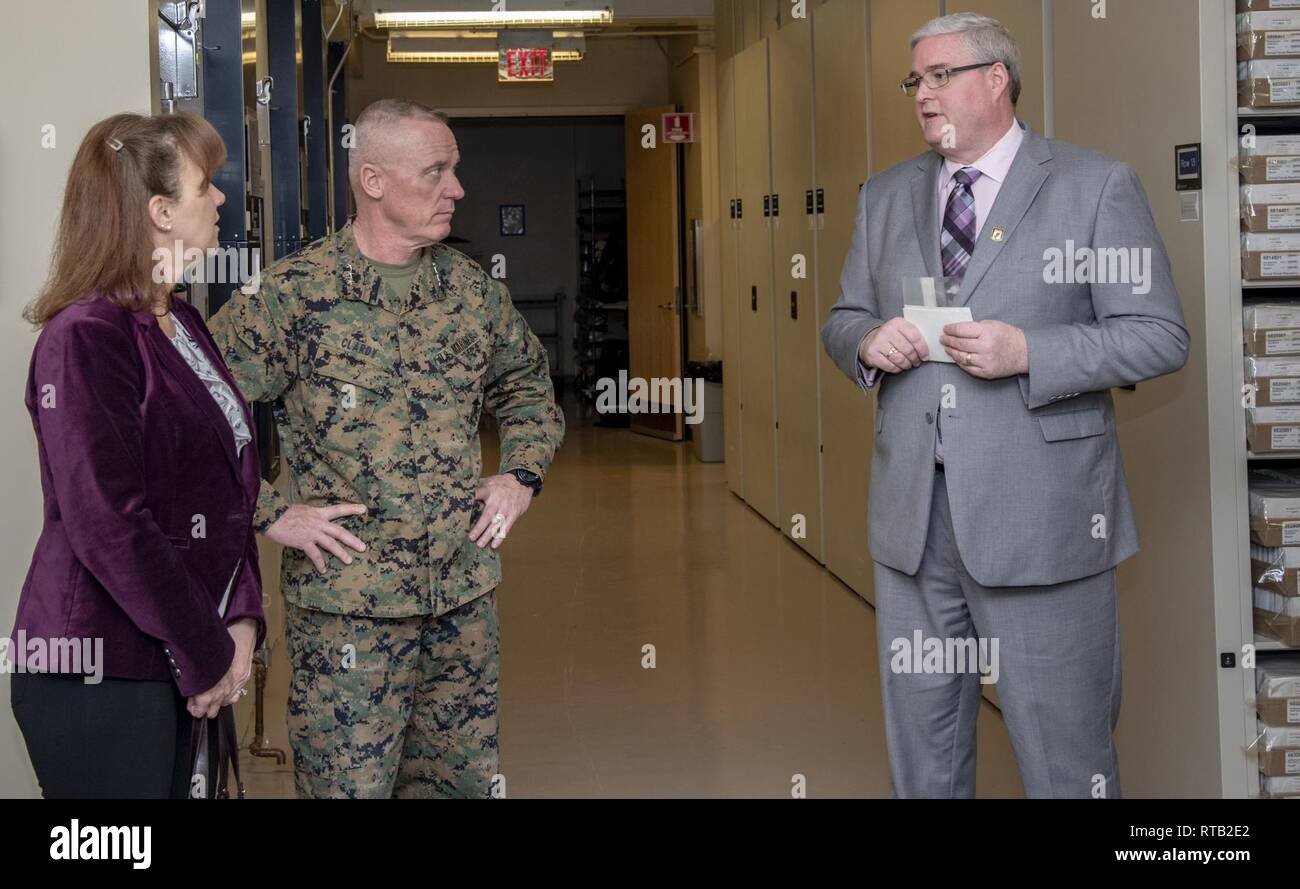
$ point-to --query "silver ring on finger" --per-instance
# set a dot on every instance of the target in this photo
(498, 519)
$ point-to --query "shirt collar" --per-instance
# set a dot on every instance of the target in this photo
(994, 163)
(361, 280)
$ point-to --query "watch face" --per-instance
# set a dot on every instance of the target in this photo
(527, 477)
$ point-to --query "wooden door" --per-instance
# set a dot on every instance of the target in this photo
(654, 272)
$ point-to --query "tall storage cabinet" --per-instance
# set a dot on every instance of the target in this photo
(754, 248)
(842, 161)
(729, 243)
(794, 299)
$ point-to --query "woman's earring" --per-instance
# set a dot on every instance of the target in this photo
(166, 228)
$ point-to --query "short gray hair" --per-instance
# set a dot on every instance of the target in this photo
(380, 116)
(986, 39)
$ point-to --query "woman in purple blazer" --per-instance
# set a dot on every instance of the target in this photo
(146, 566)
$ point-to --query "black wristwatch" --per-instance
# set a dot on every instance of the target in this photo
(530, 479)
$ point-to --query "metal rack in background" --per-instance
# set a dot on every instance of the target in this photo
(602, 288)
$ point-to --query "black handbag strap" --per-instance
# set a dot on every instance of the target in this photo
(199, 759)
(214, 753)
(230, 752)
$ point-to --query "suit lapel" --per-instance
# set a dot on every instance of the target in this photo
(170, 359)
(247, 459)
(1028, 172)
(925, 210)
(203, 337)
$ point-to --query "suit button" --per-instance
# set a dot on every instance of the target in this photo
(929, 418)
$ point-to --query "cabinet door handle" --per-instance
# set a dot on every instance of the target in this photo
(753, 298)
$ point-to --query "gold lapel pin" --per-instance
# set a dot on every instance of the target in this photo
(997, 235)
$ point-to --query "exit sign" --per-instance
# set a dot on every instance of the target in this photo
(532, 63)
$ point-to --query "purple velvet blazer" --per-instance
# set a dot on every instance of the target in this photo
(147, 509)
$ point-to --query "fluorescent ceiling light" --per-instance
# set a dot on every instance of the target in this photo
(457, 56)
(439, 46)
(470, 35)
(501, 19)
(560, 55)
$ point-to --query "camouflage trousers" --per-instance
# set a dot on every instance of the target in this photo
(384, 707)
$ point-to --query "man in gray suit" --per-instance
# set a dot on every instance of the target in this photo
(998, 506)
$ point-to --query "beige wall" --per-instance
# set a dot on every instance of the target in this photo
(68, 77)
(615, 75)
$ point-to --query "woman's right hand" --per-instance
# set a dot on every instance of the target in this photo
(210, 702)
(312, 528)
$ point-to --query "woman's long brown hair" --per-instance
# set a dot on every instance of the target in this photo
(104, 244)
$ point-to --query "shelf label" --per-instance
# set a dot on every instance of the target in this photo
(1285, 438)
(1279, 265)
(1284, 216)
(1284, 389)
(1281, 342)
(1279, 169)
(1281, 43)
(1283, 90)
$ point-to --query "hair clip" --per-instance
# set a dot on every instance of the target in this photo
(115, 144)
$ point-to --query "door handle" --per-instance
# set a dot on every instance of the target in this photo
(677, 299)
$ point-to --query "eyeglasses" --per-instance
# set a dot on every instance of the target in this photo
(936, 79)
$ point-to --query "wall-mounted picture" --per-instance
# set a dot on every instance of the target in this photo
(512, 219)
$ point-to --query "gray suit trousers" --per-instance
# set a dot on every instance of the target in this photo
(1057, 658)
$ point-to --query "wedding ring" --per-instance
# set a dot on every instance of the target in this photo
(892, 350)
(243, 692)
(498, 519)
(968, 359)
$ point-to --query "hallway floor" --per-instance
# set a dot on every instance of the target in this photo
(765, 664)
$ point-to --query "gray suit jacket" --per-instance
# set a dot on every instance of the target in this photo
(1033, 467)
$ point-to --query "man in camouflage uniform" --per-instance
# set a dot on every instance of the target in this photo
(380, 348)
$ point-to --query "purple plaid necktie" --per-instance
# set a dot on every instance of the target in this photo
(957, 240)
